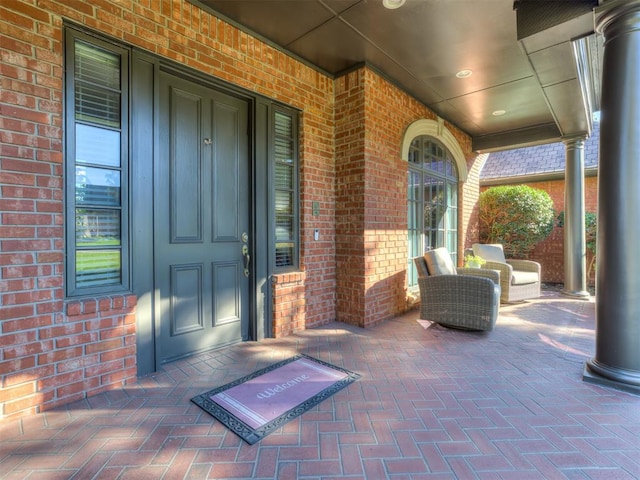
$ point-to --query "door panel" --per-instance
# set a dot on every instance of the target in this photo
(186, 314)
(227, 274)
(185, 159)
(201, 213)
(226, 175)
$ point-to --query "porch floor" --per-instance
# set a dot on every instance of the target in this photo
(431, 403)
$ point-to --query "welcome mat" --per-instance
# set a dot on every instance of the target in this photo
(257, 404)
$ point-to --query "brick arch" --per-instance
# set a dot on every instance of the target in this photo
(437, 130)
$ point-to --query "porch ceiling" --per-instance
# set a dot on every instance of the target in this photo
(520, 53)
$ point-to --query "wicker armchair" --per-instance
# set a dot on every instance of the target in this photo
(519, 279)
(462, 298)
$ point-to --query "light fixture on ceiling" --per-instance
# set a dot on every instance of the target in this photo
(497, 113)
(393, 4)
(464, 73)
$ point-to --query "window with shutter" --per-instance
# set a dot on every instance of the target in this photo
(96, 166)
(285, 177)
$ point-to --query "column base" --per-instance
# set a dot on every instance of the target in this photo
(617, 378)
(578, 294)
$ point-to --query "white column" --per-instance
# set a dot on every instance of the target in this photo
(575, 249)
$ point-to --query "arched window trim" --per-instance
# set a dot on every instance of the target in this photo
(437, 130)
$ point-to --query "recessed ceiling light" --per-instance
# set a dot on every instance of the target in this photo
(464, 73)
(392, 4)
(497, 113)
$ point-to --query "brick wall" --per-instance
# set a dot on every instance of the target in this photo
(350, 188)
(550, 252)
(372, 116)
(56, 350)
(54, 358)
(470, 232)
(38, 326)
(289, 304)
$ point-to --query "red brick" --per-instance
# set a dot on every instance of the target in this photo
(60, 330)
(59, 355)
(28, 375)
(103, 368)
(29, 323)
(14, 285)
(19, 298)
(17, 232)
(30, 402)
(17, 391)
(26, 349)
(103, 345)
(77, 363)
(56, 381)
(17, 364)
(77, 388)
(118, 354)
(73, 340)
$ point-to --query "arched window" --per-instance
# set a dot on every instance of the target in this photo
(432, 200)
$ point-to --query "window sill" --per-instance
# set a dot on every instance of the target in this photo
(289, 277)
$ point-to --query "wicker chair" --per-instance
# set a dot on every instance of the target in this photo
(461, 298)
(519, 279)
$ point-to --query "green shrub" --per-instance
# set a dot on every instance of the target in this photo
(590, 236)
(518, 217)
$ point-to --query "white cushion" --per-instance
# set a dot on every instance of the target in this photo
(491, 252)
(523, 278)
(439, 262)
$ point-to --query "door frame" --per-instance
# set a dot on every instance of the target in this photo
(145, 134)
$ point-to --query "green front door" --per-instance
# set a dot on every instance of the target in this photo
(201, 220)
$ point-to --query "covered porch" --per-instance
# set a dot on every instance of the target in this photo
(431, 403)
(330, 241)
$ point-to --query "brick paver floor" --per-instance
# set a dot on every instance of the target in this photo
(431, 403)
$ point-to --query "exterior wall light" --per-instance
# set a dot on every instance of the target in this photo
(393, 4)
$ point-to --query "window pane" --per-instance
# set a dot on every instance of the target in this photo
(284, 125)
(97, 105)
(97, 198)
(97, 267)
(284, 203)
(96, 145)
(452, 218)
(284, 228)
(284, 254)
(97, 186)
(284, 151)
(97, 85)
(284, 176)
(97, 227)
(285, 190)
(452, 194)
(97, 66)
(432, 200)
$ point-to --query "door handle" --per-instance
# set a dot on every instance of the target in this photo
(247, 259)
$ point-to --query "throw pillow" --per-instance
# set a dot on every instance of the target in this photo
(439, 262)
(491, 252)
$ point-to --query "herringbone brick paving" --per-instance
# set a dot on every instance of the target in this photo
(431, 403)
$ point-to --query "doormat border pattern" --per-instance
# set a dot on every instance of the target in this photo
(248, 433)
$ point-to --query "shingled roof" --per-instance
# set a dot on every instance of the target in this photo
(538, 161)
